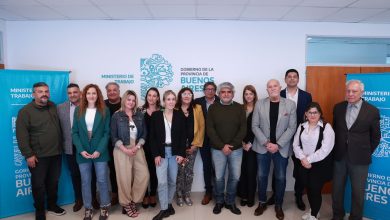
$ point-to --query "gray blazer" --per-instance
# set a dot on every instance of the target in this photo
(285, 128)
(63, 111)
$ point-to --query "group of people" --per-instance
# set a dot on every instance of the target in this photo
(142, 151)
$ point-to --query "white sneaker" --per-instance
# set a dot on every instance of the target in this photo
(306, 216)
(312, 218)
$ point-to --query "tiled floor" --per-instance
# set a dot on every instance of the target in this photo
(197, 212)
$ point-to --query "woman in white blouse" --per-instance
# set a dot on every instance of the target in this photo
(313, 144)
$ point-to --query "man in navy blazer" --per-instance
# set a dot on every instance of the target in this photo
(357, 127)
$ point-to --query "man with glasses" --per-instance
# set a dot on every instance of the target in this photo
(226, 128)
(209, 89)
(273, 124)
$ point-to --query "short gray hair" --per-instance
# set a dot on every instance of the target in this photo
(361, 84)
(112, 84)
(226, 85)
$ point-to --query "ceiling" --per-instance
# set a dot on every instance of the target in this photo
(348, 11)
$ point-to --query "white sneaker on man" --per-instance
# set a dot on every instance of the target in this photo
(307, 216)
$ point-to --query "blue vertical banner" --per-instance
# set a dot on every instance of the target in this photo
(377, 196)
(15, 184)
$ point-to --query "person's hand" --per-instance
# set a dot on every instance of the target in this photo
(86, 155)
(247, 146)
(179, 159)
(32, 161)
(227, 149)
(191, 149)
(272, 148)
(157, 161)
(305, 163)
(95, 155)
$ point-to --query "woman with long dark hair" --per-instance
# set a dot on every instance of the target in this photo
(152, 104)
(90, 134)
(195, 128)
(246, 188)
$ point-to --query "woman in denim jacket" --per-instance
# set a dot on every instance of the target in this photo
(128, 133)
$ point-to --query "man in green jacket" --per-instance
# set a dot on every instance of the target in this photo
(39, 138)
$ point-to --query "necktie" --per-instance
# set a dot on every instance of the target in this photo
(352, 115)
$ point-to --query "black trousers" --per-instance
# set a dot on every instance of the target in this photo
(75, 175)
(205, 153)
(152, 172)
(247, 184)
(314, 181)
(44, 181)
(111, 165)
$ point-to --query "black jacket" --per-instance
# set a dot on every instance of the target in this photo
(360, 141)
(202, 102)
(178, 134)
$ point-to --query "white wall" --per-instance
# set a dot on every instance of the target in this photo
(2, 40)
(243, 52)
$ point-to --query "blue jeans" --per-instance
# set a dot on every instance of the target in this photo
(233, 161)
(280, 165)
(101, 170)
(166, 176)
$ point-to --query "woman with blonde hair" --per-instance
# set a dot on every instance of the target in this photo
(167, 135)
(128, 133)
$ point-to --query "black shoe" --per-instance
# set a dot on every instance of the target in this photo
(271, 200)
(250, 203)
(40, 215)
(261, 208)
(218, 208)
(233, 208)
(243, 202)
(162, 214)
(78, 204)
(279, 213)
(300, 204)
(56, 210)
(170, 210)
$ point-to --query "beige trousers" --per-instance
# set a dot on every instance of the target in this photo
(132, 176)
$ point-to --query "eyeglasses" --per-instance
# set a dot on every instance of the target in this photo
(186, 95)
(210, 89)
(313, 113)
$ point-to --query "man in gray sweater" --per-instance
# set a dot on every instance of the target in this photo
(226, 128)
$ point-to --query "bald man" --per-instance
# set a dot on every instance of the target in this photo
(273, 124)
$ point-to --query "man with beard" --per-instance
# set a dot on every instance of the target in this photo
(39, 138)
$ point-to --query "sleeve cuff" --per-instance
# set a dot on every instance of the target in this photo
(118, 143)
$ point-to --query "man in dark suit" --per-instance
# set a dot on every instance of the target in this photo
(357, 129)
(209, 90)
(301, 100)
